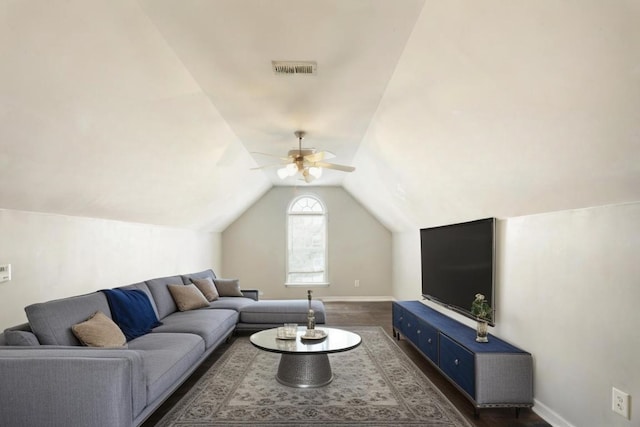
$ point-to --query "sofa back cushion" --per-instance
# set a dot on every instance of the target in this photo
(186, 278)
(51, 321)
(165, 304)
(20, 338)
(19, 335)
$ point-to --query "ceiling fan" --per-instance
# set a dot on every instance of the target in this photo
(306, 161)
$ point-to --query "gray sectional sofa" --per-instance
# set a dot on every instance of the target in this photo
(48, 378)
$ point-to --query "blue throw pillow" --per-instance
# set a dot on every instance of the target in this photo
(132, 311)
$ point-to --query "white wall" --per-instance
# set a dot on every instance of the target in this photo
(568, 293)
(254, 247)
(54, 256)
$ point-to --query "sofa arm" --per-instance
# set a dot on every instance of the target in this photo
(70, 386)
(250, 293)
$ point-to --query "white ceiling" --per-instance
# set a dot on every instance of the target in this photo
(148, 111)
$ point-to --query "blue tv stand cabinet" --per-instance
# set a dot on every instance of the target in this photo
(493, 374)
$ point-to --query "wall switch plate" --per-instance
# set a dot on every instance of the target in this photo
(5, 272)
(620, 402)
(357, 283)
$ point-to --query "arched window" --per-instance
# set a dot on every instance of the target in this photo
(307, 242)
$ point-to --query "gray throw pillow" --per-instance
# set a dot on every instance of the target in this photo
(99, 331)
(23, 338)
(228, 287)
(187, 297)
(207, 288)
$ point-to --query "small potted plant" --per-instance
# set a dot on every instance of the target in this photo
(481, 309)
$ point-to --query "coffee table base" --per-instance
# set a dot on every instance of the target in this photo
(304, 370)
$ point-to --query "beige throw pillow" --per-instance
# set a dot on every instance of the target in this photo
(99, 331)
(187, 297)
(228, 287)
(207, 288)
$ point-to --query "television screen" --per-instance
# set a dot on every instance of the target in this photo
(458, 263)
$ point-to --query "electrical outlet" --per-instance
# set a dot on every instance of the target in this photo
(357, 283)
(5, 273)
(620, 402)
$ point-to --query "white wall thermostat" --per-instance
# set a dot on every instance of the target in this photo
(5, 272)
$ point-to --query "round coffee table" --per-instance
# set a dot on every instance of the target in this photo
(305, 363)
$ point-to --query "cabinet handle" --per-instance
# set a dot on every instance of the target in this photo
(418, 330)
(408, 325)
(429, 340)
(456, 362)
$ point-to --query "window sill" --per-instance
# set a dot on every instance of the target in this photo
(312, 285)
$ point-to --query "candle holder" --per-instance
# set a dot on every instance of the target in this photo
(311, 316)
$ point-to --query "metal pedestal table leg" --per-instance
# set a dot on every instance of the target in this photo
(304, 370)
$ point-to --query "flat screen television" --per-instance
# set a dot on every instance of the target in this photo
(458, 262)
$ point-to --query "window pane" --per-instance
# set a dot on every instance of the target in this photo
(306, 204)
(306, 242)
(306, 278)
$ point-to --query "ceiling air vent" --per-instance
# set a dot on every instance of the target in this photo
(294, 67)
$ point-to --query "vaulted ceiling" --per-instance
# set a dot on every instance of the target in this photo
(150, 111)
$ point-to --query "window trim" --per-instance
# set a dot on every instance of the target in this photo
(325, 214)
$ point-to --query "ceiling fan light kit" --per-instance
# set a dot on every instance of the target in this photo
(307, 162)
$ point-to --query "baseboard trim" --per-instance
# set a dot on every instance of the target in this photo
(356, 299)
(549, 415)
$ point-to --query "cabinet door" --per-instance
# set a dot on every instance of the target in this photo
(458, 364)
(428, 341)
(411, 327)
(398, 317)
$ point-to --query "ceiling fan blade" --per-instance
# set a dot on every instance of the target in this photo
(273, 165)
(321, 155)
(342, 168)
(271, 155)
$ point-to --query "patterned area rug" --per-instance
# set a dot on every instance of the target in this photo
(374, 384)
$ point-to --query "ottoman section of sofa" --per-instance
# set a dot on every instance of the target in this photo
(275, 312)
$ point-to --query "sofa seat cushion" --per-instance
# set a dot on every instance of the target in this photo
(231, 303)
(212, 326)
(166, 358)
(281, 311)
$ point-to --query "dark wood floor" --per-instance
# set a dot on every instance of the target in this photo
(379, 314)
